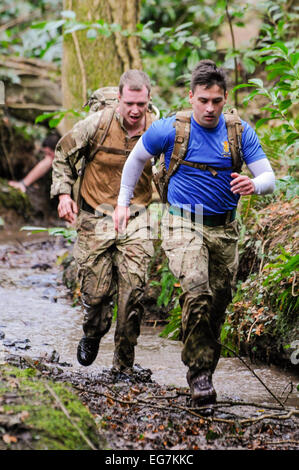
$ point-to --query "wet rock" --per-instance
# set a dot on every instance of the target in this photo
(17, 343)
(53, 358)
(137, 375)
(41, 266)
(50, 293)
(40, 281)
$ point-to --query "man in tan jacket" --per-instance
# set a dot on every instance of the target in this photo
(109, 265)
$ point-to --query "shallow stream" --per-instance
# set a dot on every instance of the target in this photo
(37, 318)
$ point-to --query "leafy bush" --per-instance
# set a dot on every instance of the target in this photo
(281, 282)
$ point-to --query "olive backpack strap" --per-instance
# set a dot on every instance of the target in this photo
(182, 126)
(102, 130)
(234, 133)
(100, 134)
(161, 175)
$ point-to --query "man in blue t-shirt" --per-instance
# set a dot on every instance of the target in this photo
(199, 229)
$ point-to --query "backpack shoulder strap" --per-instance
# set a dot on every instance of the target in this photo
(234, 133)
(182, 126)
(101, 131)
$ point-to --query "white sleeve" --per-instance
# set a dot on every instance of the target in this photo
(263, 176)
(131, 172)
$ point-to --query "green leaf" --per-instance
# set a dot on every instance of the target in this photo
(54, 122)
(243, 85)
(281, 46)
(257, 81)
(250, 96)
(249, 64)
(262, 121)
(294, 58)
(92, 34)
(33, 229)
(184, 26)
(44, 116)
(285, 105)
(39, 25)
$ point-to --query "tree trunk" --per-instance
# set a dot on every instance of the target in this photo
(90, 64)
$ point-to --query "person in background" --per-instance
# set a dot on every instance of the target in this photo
(42, 167)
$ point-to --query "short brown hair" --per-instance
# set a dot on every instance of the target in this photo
(135, 80)
(207, 73)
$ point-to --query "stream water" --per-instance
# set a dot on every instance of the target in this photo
(36, 318)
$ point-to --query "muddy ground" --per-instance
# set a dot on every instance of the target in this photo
(136, 413)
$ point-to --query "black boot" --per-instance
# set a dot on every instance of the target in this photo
(201, 387)
(87, 350)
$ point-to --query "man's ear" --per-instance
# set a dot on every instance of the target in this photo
(190, 96)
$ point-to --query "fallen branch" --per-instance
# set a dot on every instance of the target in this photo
(270, 416)
(61, 405)
(65, 411)
(17, 21)
(252, 371)
(290, 441)
(196, 411)
(40, 107)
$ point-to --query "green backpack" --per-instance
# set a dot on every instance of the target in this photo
(182, 124)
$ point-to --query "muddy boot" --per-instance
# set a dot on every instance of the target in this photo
(87, 350)
(201, 387)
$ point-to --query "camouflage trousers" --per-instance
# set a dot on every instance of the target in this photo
(111, 266)
(205, 260)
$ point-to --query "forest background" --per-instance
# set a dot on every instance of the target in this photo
(48, 74)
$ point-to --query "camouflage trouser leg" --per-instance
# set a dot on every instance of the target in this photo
(205, 261)
(93, 253)
(109, 265)
(132, 257)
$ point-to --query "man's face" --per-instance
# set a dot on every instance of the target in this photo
(133, 106)
(207, 104)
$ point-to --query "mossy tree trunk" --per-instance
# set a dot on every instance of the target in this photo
(90, 64)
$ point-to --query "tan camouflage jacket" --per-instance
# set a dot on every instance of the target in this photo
(67, 154)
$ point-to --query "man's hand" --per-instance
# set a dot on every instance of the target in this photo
(121, 216)
(241, 184)
(67, 208)
(18, 185)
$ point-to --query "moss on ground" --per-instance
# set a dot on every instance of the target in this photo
(36, 413)
(11, 198)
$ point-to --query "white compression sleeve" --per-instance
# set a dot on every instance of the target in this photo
(264, 177)
(131, 172)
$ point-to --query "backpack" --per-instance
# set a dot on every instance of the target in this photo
(182, 124)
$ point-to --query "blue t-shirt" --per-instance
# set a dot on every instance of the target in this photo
(191, 187)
